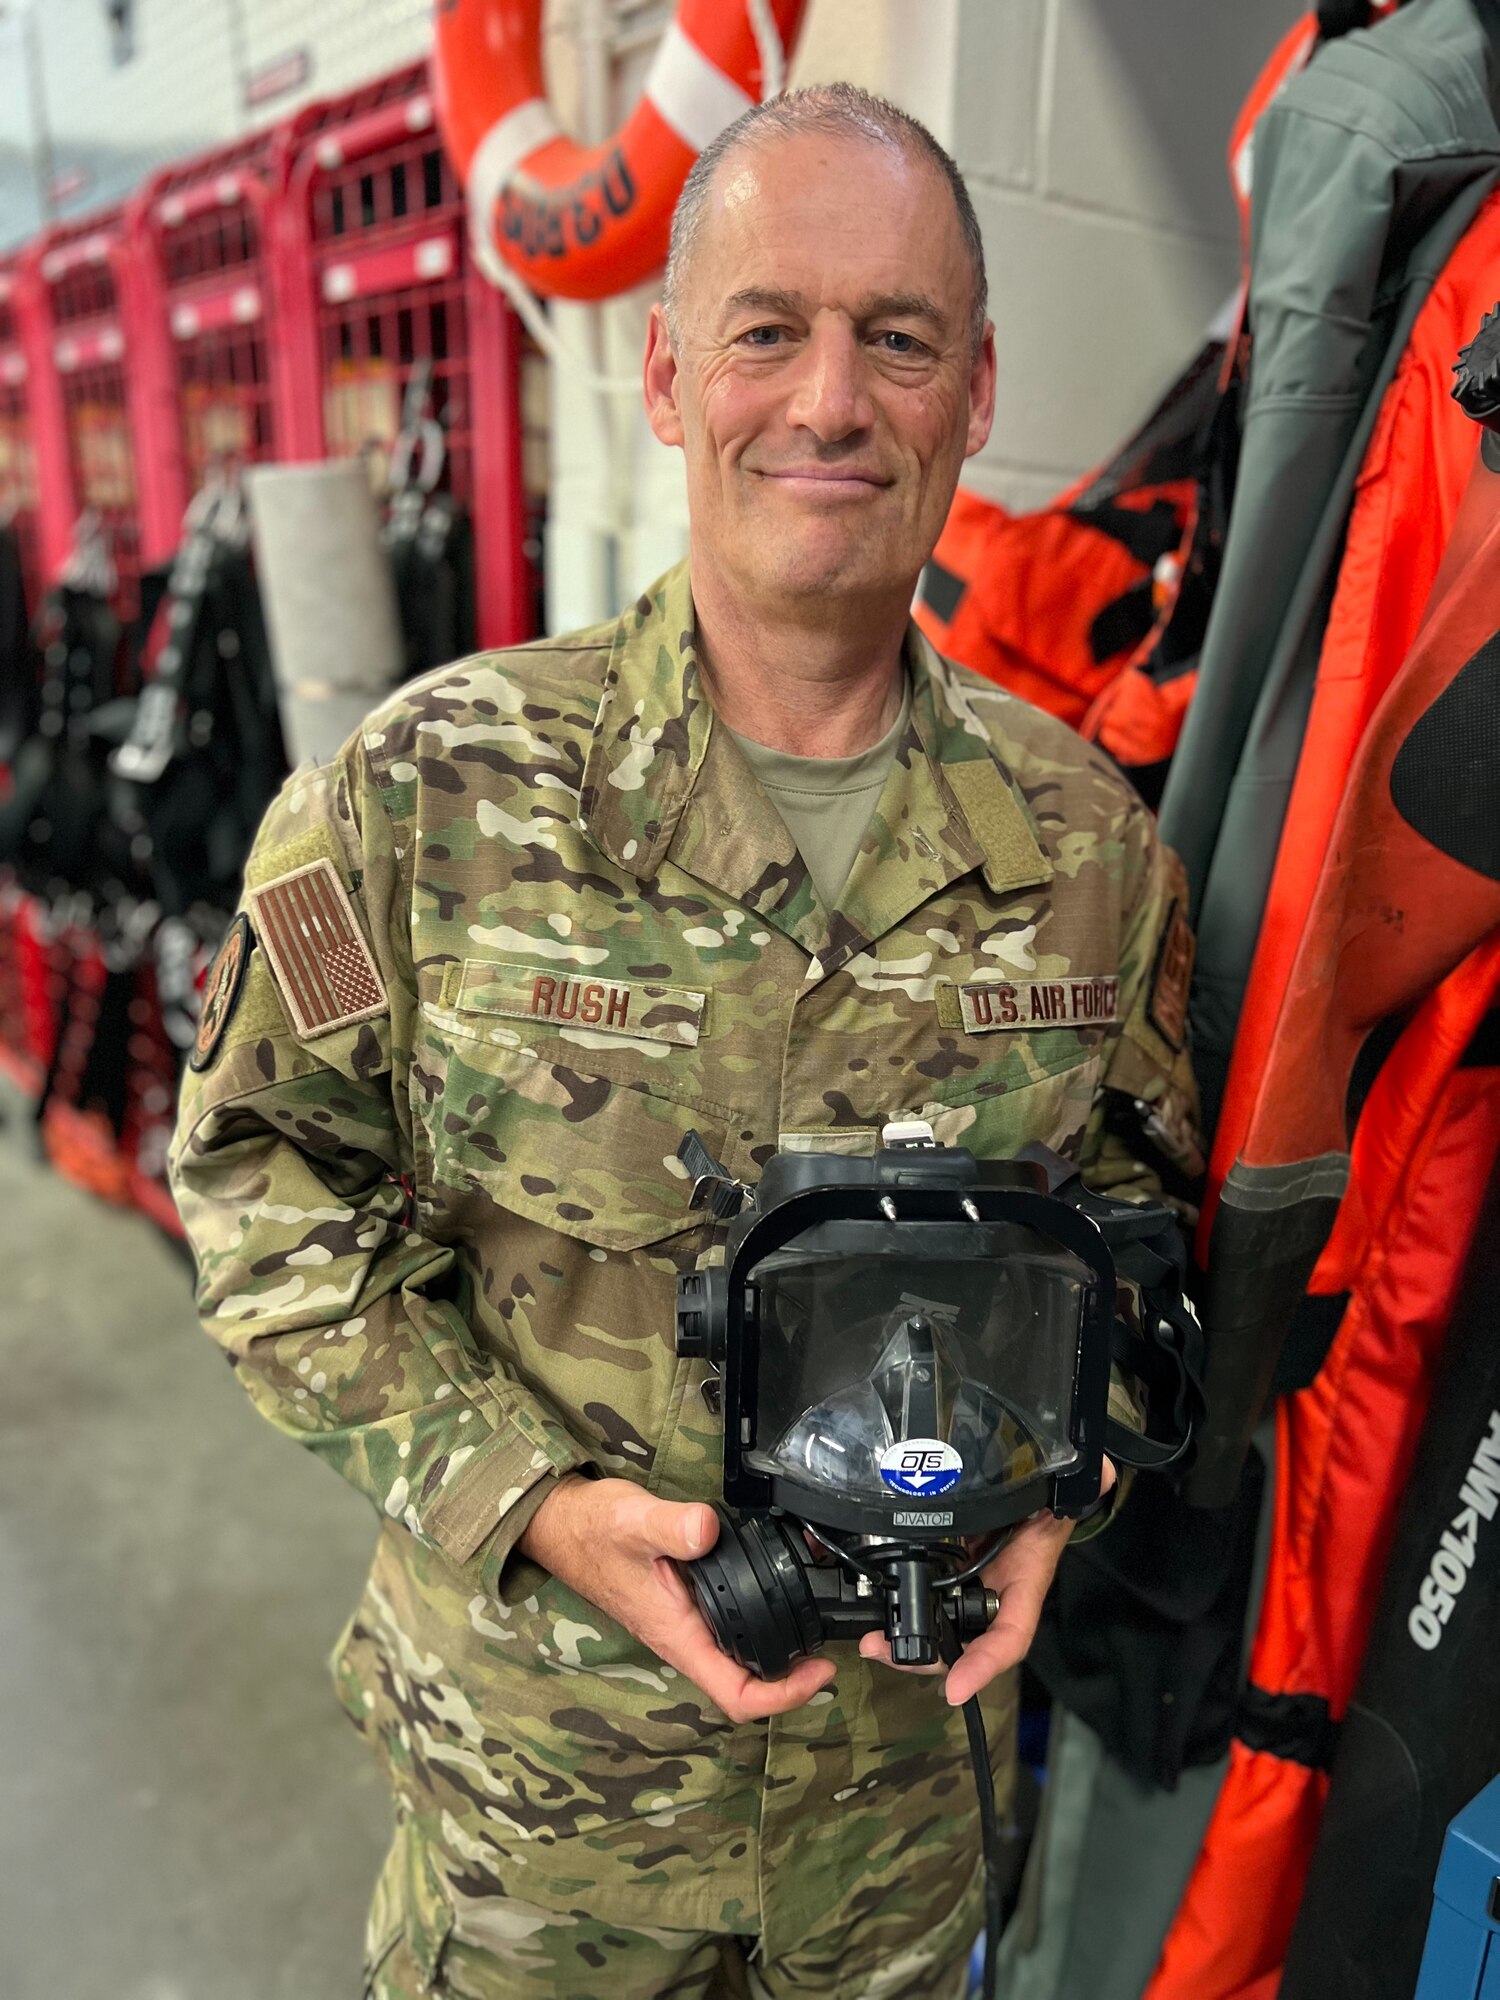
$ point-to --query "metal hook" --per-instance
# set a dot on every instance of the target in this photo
(428, 434)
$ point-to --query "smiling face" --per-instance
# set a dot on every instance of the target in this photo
(822, 383)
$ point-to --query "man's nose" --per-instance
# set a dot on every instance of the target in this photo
(830, 396)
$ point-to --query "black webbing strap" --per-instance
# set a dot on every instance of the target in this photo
(1164, 1351)
(1339, 17)
(1299, 1728)
(1488, 12)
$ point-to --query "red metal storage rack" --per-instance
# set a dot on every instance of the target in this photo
(18, 472)
(23, 1015)
(82, 268)
(211, 370)
(375, 276)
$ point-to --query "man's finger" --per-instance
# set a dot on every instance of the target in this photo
(675, 1528)
(753, 1700)
(875, 1646)
(742, 1695)
(1020, 1576)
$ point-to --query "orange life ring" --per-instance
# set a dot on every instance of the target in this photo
(581, 222)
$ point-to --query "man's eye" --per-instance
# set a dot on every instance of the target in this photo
(896, 342)
(762, 336)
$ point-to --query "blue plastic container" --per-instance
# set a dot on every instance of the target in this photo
(1462, 1957)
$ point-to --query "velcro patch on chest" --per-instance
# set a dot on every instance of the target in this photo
(989, 1006)
(324, 971)
(566, 998)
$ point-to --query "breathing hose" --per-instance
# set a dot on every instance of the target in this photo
(989, 1830)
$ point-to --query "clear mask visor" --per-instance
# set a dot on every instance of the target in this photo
(900, 1372)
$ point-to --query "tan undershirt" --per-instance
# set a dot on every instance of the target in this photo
(826, 802)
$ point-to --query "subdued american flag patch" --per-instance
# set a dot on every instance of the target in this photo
(306, 926)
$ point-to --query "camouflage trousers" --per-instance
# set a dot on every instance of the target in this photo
(428, 1941)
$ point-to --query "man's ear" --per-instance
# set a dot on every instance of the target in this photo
(660, 380)
(981, 393)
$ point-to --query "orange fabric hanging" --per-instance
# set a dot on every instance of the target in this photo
(1423, 446)
(1374, 910)
(1033, 588)
(1428, 1142)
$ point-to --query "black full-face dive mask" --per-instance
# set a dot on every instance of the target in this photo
(915, 1352)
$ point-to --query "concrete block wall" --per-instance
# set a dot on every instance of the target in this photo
(1092, 134)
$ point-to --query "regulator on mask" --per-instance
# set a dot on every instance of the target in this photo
(914, 1351)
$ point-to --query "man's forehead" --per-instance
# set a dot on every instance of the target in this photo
(788, 216)
(874, 303)
(813, 168)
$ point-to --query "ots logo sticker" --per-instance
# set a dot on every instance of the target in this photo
(921, 1467)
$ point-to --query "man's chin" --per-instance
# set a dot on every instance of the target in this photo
(826, 569)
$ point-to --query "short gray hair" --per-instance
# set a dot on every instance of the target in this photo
(840, 110)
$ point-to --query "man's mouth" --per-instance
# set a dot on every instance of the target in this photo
(827, 481)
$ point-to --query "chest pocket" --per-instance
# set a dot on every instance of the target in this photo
(1008, 1091)
(589, 1154)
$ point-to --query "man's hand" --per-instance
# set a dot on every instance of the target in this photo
(613, 1543)
(1020, 1576)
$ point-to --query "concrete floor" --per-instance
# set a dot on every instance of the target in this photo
(184, 1813)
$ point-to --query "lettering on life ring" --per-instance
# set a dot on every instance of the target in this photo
(556, 222)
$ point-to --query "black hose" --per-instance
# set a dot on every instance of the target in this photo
(989, 1830)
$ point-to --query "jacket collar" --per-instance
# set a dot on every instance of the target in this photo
(660, 779)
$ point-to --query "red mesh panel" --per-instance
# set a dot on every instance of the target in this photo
(210, 236)
(103, 463)
(389, 254)
(22, 995)
(89, 349)
(17, 456)
(82, 291)
(203, 246)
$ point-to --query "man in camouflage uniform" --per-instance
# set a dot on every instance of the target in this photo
(539, 920)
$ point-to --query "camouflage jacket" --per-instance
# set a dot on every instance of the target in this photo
(439, 1240)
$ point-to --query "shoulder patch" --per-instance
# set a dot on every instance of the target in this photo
(317, 952)
(1171, 979)
(221, 991)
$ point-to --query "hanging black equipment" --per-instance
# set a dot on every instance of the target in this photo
(204, 753)
(429, 541)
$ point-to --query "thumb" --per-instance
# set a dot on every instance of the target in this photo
(683, 1531)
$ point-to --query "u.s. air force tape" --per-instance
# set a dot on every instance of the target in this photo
(989, 1006)
(324, 972)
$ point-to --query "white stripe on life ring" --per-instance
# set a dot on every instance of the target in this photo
(509, 140)
(693, 96)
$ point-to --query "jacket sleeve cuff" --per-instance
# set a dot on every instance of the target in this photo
(491, 1504)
